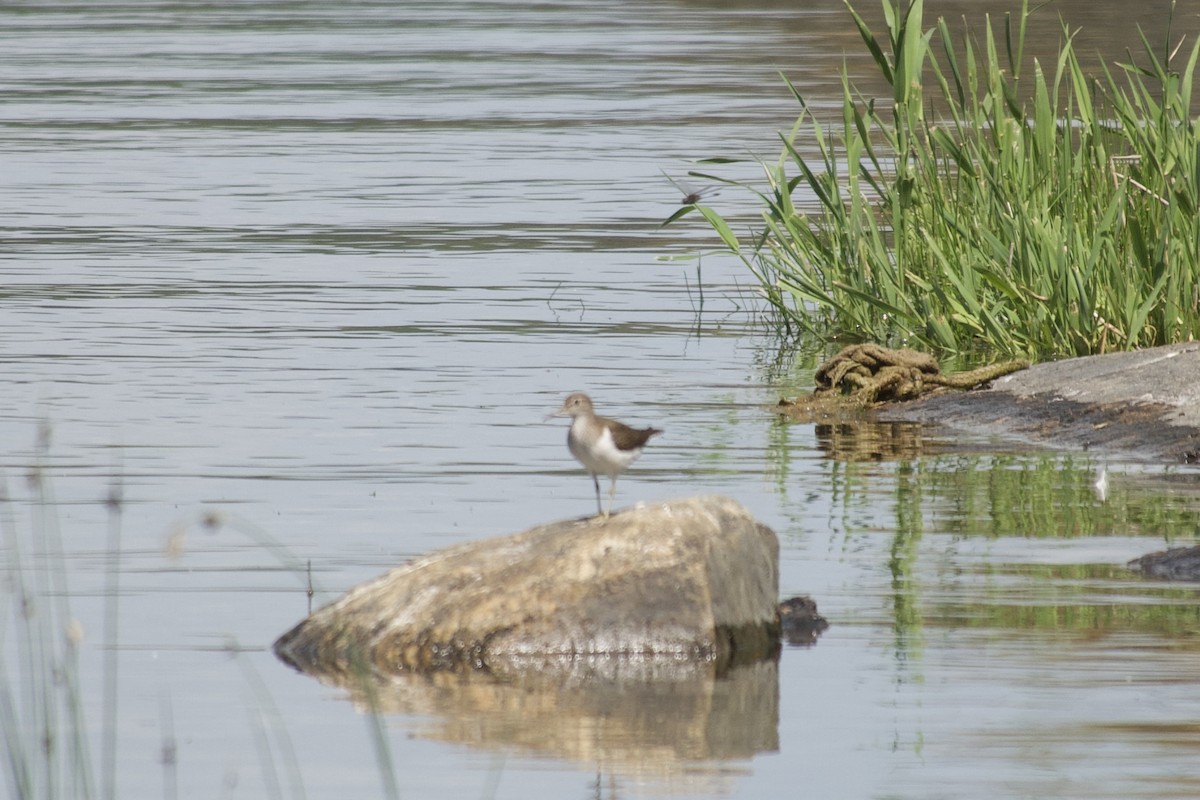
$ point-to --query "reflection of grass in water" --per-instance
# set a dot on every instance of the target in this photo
(1088, 599)
(46, 734)
(1050, 496)
(984, 497)
(903, 556)
(1036, 497)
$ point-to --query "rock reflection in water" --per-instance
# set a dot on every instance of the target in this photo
(866, 440)
(645, 719)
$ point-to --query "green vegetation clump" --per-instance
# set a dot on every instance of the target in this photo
(986, 212)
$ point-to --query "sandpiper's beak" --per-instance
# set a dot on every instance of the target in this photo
(562, 412)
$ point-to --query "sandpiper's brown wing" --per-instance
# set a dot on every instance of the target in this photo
(625, 437)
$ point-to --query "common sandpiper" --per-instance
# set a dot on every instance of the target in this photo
(604, 446)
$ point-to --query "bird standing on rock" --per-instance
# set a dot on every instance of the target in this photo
(602, 445)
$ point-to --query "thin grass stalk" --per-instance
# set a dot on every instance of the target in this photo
(376, 731)
(42, 617)
(169, 754)
(112, 620)
(64, 743)
(15, 752)
(273, 788)
(383, 756)
(15, 730)
(45, 734)
(271, 736)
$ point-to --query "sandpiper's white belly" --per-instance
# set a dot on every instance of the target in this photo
(602, 457)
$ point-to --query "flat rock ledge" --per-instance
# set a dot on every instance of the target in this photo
(1143, 404)
(692, 580)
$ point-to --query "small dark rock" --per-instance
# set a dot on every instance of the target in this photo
(1176, 564)
(800, 622)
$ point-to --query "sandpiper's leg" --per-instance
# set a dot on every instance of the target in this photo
(612, 493)
(599, 508)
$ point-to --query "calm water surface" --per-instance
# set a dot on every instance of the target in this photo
(303, 280)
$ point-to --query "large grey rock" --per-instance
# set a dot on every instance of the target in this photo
(1140, 404)
(692, 581)
(1168, 376)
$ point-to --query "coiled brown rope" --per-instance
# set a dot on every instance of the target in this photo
(863, 375)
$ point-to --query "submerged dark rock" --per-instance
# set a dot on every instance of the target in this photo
(1175, 564)
(693, 581)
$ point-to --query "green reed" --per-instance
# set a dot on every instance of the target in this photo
(982, 210)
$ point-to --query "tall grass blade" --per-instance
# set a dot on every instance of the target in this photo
(1055, 215)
